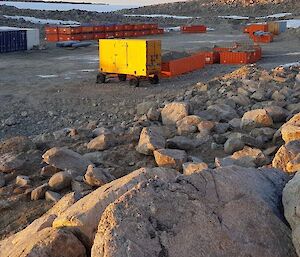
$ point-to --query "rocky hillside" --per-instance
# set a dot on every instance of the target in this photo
(222, 7)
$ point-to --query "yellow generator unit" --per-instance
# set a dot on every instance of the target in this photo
(133, 58)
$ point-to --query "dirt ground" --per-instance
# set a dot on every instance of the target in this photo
(46, 90)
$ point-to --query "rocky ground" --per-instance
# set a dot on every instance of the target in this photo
(225, 148)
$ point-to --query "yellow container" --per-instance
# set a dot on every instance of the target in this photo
(140, 58)
(274, 27)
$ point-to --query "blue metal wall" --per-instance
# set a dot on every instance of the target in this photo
(12, 40)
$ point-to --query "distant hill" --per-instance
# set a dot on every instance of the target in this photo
(221, 7)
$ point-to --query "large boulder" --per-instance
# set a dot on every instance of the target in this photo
(150, 139)
(232, 211)
(290, 131)
(174, 112)
(256, 119)
(85, 214)
(286, 157)
(10, 162)
(66, 159)
(290, 200)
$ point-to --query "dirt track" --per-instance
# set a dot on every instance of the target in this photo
(32, 102)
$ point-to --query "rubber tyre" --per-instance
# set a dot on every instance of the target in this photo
(134, 82)
(122, 77)
(154, 80)
(101, 78)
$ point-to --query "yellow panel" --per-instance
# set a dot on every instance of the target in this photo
(132, 57)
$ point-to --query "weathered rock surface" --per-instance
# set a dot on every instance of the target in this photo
(233, 144)
(60, 180)
(10, 162)
(97, 176)
(39, 192)
(255, 119)
(188, 124)
(169, 217)
(66, 159)
(170, 158)
(285, 155)
(52, 196)
(16, 145)
(22, 181)
(150, 139)
(192, 167)
(248, 154)
(290, 131)
(290, 200)
(174, 112)
(181, 142)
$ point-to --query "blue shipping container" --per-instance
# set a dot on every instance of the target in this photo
(282, 26)
(13, 40)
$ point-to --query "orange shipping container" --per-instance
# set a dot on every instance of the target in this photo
(51, 30)
(138, 27)
(251, 28)
(193, 29)
(119, 34)
(153, 26)
(110, 28)
(99, 28)
(128, 33)
(236, 57)
(183, 65)
(267, 38)
(51, 37)
(109, 35)
(212, 57)
(99, 35)
(128, 27)
(119, 27)
(87, 29)
(87, 36)
(69, 30)
(70, 37)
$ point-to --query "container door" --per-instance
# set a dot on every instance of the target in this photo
(121, 56)
(153, 56)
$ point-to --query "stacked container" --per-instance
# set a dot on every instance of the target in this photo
(251, 28)
(193, 29)
(274, 28)
(18, 39)
(95, 32)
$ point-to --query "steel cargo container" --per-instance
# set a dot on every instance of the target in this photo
(193, 29)
(236, 57)
(87, 29)
(130, 57)
(64, 37)
(69, 30)
(12, 40)
(273, 27)
(33, 38)
(282, 26)
(251, 28)
(99, 28)
(128, 27)
(99, 36)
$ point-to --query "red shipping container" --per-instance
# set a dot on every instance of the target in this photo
(64, 37)
(153, 32)
(119, 27)
(183, 65)
(99, 28)
(268, 38)
(160, 31)
(128, 33)
(153, 26)
(109, 35)
(211, 57)
(137, 33)
(251, 28)
(87, 36)
(193, 29)
(222, 49)
(69, 30)
(128, 27)
(51, 30)
(110, 28)
(99, 36)
(87, 29)
(236, 57)
(119, 34)
(51, 37)
(138, 27)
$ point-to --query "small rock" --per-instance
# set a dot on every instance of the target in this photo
(277, 113)
(39, 192)
(97, 176)
(193, 167)
(2, 180)
(233, 144)
(153, 114)
(150, 139)
(221, 128)
(22, 181)
(224, 112)
(52, 196)
(49, 171)
(102, 142)
(248, 154)
(235, 123)
(205, 127)
(174, 112)
(255, 119)
(60, 180)
(180, 142)
(80, 186)
(144, 107)
(170, 158)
